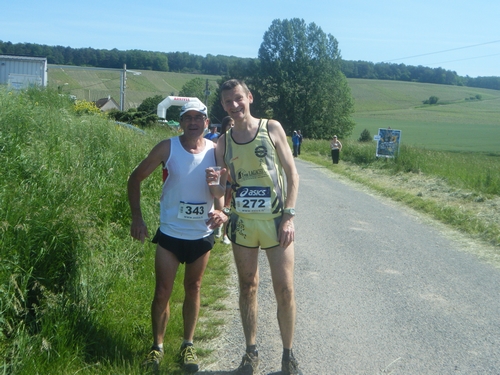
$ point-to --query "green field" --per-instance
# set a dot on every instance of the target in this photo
(456, 123)
(92, 84)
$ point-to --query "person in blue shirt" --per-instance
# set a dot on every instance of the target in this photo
(212, 135)
(295, 143)
(299, 134)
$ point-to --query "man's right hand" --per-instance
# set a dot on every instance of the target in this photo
(219, 190)
(139, 230)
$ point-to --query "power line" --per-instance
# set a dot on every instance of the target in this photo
(470, 58)
(448, 50)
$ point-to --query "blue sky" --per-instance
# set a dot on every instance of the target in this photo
(458, 35)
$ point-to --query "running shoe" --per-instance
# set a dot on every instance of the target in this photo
(290, 367)
(249, 364)
(153, 359)
(226, 240)
(188, 359)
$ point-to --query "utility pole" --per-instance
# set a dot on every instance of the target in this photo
(122, 87)
(207, 92)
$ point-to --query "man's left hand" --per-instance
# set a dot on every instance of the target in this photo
(216, 219)
(286, 234)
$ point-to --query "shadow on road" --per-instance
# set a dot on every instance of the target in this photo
(229, 372)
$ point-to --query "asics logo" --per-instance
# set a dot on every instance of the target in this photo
(262, 192)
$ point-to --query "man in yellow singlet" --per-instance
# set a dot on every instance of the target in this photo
(255, 152)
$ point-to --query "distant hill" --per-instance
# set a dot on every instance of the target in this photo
(92, 84)
(378, 104)
(464, 118)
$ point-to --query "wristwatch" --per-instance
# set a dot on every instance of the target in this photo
(289, 211)
(227, 211)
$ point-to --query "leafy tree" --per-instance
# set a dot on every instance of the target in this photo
(432, 100)
(365, 136)
(486, 82)
(247, 70)
(150, 105)
(301, 80)
(184, 62)
(134, 117)
(196, 87)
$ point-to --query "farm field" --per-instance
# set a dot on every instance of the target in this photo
(456, 123)
(92, 84)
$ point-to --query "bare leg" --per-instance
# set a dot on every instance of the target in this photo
(192, 284)
(166, 265)
(246, 260)
(281, 262)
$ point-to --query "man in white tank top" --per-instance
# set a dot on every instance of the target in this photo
(187, 220)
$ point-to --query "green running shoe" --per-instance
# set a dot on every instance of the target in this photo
(249, 364)
(290, 367)
(153, 359)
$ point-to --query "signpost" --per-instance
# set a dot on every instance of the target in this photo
(387, 142)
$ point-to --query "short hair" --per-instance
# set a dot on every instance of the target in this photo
(232, 83)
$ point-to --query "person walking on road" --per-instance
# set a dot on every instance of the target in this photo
(187, 220)
(336, 147)
(299, 133)
(295, 143)
(255, 152)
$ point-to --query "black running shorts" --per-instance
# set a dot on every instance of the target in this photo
(186, 251)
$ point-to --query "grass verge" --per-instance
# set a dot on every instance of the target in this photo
(75, 289)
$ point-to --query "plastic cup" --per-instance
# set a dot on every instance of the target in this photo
(217, 170)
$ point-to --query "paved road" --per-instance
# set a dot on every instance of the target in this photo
(379, 291)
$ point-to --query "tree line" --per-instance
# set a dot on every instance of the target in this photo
(410, 73)
(182, 62)
(185, 62)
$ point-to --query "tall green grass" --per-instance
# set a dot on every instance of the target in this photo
(479, 172)
(75, 289)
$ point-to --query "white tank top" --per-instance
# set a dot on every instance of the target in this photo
(186, 200)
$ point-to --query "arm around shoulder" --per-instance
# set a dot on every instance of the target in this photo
(219, 190)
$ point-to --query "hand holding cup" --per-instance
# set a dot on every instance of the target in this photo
(213, 175)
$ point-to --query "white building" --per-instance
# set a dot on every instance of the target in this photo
(23, 71)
